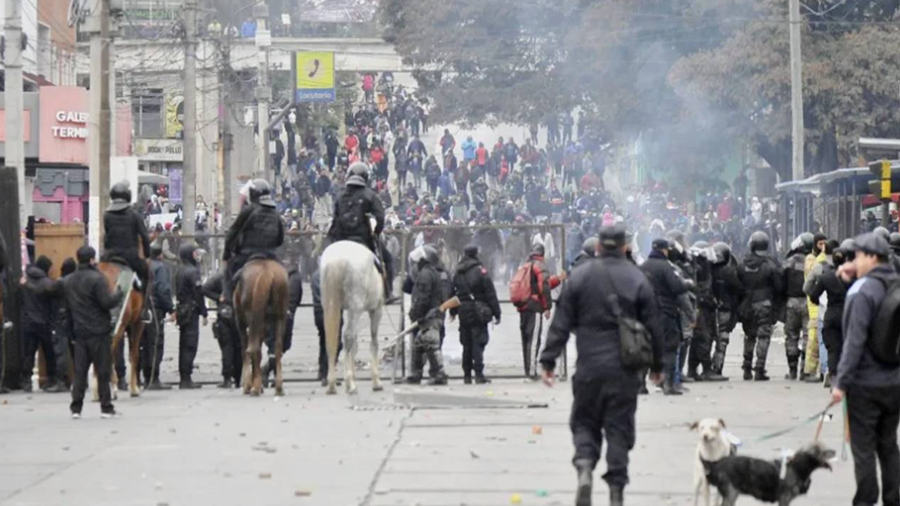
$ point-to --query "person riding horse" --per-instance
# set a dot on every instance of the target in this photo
(257, 232)
(352, 210)
(123, 227)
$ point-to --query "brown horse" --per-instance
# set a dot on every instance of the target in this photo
(261, 298)
(131, 323)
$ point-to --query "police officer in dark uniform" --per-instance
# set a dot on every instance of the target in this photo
(123, 229)
(705, 331)
(796, 316)
(295, 296)
(605, 392)
(257, 231)
(427, 297)
(225, 332)
(475, 289)
(161, 297)
(588, 251)
(191, 306)
(668, 286)
(762, 279)
(352, 210)
(727, 289)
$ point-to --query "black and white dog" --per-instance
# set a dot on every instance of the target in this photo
(763, 479)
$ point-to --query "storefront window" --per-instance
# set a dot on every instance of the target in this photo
(147, 111)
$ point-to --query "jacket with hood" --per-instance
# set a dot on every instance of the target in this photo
(666, 283)
(89, 302)
(761, 277)
(37, 300)
(472, 283)
(541, 285)
(162, 287)
(188, 285)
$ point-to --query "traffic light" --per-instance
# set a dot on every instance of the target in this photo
(881, 186)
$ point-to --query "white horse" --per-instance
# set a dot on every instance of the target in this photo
(350, 282)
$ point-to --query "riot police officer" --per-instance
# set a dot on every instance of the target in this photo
(257, 231)
(225, 332)
(191, 306)
(352, 210)
(588, 251)
(427, 297)
(161, 297)
(727, 290)
(705, 332)
(125, 234)
(762, 280)
(605, 391)
(796, 314)
(475, 289)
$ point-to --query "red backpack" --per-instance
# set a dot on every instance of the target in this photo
(520, 289)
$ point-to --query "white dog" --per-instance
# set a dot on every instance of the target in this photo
(713, 446)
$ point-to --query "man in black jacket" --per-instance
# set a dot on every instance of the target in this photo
(605, 392)
(89, 302)
(225, 332)
(668, 286)
(161, 298)
(727, 289)
(257, 231)
(427, 297)
(828, 282)
(125, 234)
(762, 279)
(872, 387)
(191, 306)
(37, 323)
(475, 289)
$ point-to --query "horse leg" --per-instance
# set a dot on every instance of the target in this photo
(350, 340)
(134, 354)
(279, 351)
(331, 314)
(255, 352)
(374, 321)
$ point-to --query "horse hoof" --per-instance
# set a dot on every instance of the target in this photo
(254, 393)
(279, 392)
(135, 394)
(246, 391)
(377, 388)
(331, 390)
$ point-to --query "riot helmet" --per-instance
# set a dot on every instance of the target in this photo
(120, 196)
(723, 252)
(759, 242)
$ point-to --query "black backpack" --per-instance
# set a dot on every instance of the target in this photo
(351, 212)
(884, 336)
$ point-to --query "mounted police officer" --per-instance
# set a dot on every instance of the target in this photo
(762, 280)
(797, 315)
(125, 234)
(257, 231)
(427, 296)
(352, 210)
(475, 289)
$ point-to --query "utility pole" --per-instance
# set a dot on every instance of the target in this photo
(263, 90)
(99, 135)
(189, 185)
(797, 130)
(225, 140)
(15, 101)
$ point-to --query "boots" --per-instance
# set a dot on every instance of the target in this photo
(187, 384)
(712, 376)
(748, 374)
(616, 495)
(439, 380)
(122, 385)
(155, 384)
(792, 373)
(761, 375)
(585, 482)
(481, 379)
(226, 382)
(812, 378)
(267, 369)
(467, 379)
(669, 388)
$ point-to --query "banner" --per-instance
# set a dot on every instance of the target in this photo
(174, 116)
(315, 77)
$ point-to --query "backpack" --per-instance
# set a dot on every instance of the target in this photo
(349, 218)
(884, 336)
(520, 287)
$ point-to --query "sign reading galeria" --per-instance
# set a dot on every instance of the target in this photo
(64, 125)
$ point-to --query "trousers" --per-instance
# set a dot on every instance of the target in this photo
(474, 338)
(702, 342)
(152, 349)
(34, 338)
(833, 337)
(757, 334)
(724, 326)
(230, 347)
(796, 320)
(874, 413)
(531, 326)
(811, 364)
(92, 350)
(188, 341)
(427, 347)
(605, 407)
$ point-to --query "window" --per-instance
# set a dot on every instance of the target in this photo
(147, 110)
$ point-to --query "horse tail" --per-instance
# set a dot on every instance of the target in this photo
(332, 283)
(262, 292)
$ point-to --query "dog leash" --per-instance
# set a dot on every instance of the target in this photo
(820, 415)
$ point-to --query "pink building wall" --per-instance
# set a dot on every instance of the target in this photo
(71, 207)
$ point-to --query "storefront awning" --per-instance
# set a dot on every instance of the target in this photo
(145, 177)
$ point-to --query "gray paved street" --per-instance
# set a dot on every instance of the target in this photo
(472, 445)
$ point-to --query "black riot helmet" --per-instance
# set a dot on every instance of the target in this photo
(807, 242)
(120, 196)
(759, 242)
(358, 175)
(260, 192)
(723, 252)
(431, 254)
(883, 232)
(590, 246)
(895, 242)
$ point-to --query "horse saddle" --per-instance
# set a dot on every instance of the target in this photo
(125, 282)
